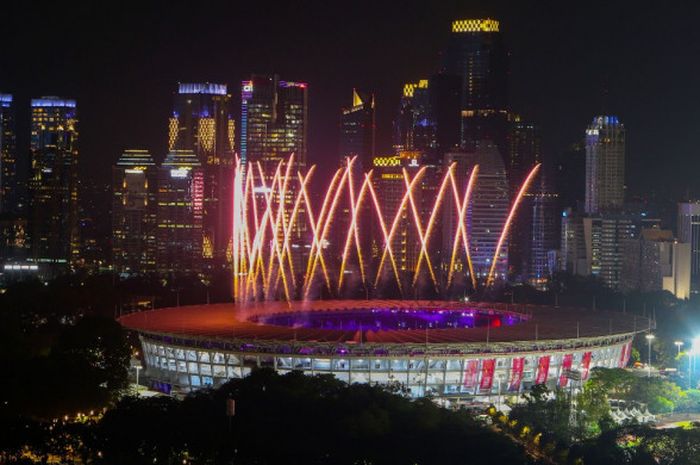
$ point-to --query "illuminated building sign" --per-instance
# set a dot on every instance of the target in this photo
(179, 173)
(202, 88)
(475, 25)
(386, 161)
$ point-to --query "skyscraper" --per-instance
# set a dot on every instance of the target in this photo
(689, 232)
(524, 154)
(414, 127)
(274, 121)
(8, 156)
(477, 55)
(605, 165)
(53, 181)
(179, 214)
(134, 213)
(488, 209)
(202, 123)
(357, 129)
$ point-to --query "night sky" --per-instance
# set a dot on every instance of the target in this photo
(569, 61)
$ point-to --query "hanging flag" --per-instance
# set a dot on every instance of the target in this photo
(488, 367)
(565, 369)
(542, 370)
(516, 373)
(585, 365)
(470, 371)
(625, 352)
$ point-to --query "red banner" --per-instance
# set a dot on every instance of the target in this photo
(488, 367)
(625, 353)
(471, 368)
(542, 370)
(516, 373)
(585, 365)
(565, 368)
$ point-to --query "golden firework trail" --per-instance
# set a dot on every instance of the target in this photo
(273, 211)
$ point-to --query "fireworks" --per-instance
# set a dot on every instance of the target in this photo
(281, 238)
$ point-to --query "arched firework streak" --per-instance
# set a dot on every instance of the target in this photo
(461, 226)
(509, 220)
(264, 225)
(388, 239)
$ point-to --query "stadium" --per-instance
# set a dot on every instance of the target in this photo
(450, 350)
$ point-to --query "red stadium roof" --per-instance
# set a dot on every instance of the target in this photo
(230, 321)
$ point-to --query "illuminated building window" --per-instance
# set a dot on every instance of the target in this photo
(206, 132)
(475, 25)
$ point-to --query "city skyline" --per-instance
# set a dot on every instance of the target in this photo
(589, 78)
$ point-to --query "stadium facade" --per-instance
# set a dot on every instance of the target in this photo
(465, 351)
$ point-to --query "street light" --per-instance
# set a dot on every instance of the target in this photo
(650, 337)
(694, 348)
(679, 344)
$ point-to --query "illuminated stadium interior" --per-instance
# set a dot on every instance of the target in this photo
(384, 319)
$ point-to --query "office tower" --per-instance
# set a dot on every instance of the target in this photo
(543, 236)
(477, 55)
(53, 181)
(357, 129)
(8, 156)
(202, 123)
(605, 165)
(390, 186)
(606, 237)
(689, 232)
(274, 121)
(179, 214)
(134, 205)
(488, 209)
(524, 154)
(655, 261)
(414, 128)
(572, 255)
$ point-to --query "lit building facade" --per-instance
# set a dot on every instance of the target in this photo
(390, 185)
(8, 156)
(274, 121)
(202, 123)
(476, 53)
(689, 232)
(414, 127)
(605, 165)
(487, 211)
(53, 181)
(655, 261)
(134, 205)
(179, 214)
(543, 237)
(357, 129)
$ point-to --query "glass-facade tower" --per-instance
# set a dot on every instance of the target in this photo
(53, 181)
(202, 122)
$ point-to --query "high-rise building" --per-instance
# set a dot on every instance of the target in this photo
(202, 122)
(8, 156)
(414, 127)
(390, 185)
(179, 214)
(536, 212)
(573, 256)
(543, 233)
(477, 55)
(689, 232)
(605, 165)
(54, 181)
(655, 261)
(134, 205)
(606, 237)
(274, 121)
(357, 129)
(488, 210)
